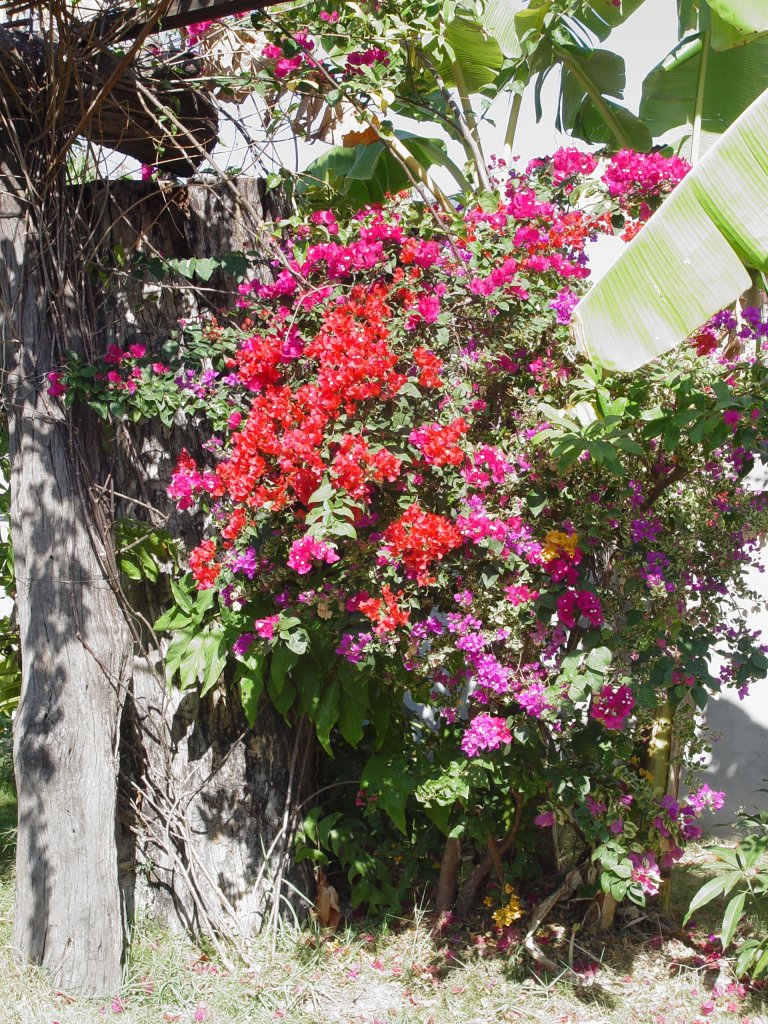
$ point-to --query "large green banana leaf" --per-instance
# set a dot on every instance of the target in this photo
(746, 16)
(498, 20)
(592, 81)
(726, 81)
(690, 260)
(477, 54)
(602, 16)
(364, 174)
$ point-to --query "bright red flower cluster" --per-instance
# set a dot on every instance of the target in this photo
(355, 465)
(418, 539)
(437, 444)
(278, 457)
(202, 562)
(385, 611)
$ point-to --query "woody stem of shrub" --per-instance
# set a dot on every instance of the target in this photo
(659, 758)
(471, 886)
(464, 117)
(448, 881)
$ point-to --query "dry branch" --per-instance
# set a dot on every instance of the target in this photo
(121, 121)
(127, 23)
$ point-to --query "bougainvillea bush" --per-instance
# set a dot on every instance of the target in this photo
(488, 573)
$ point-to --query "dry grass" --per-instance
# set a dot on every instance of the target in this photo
(400, 975)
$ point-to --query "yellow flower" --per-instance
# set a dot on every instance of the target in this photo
(557, 543)
(507, 915)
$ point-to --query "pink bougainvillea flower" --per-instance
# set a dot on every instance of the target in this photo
(265, 628)
(306, 550)
(485, 732)
(613, 706)
(56, 387)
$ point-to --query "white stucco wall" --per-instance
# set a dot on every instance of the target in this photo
(739, 762)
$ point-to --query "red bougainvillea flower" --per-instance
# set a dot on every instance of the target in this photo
(418, 539)
(437, 443)
(202, 562)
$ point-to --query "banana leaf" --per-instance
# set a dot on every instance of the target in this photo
(746, 16)
(691, 259)
(362, 175)
(591, 83)
(732, 79)
(603, 16)
(478, 55)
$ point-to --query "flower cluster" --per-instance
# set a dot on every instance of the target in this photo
(403, 500)
(612, 706)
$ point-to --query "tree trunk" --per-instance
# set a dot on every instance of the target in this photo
(76, 647)
(207, 802)
(205, 806)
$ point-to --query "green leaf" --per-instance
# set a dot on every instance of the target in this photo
(761, 965)
(626, 444)
(726, 854)
(590, 124)
(440, 815)
(327, 715)
(235, 264)
(392, 783)
(603, 71)
(714, 887)
(498, 20)
(731, 919)
(478, 56)
(128, 566)
(281, 688)
(591, 82)
(175, 653)
(599, 658)
(297, 641)
(746, 16)
(364, 174)
(733, 79)
(323, 493)
(432, 153)
(602, 16)
(537, 502)
(214, 654)
(181, 594)
(748, 953)
(308, 677)
(366, 159)
(206, 268)
(251, 689)
(354, 706)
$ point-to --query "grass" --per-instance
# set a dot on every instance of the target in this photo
(399, 974)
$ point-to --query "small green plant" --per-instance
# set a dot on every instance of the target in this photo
(745, 873)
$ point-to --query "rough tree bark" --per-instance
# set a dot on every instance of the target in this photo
(203, 812)
(76, 647)
(212, 794)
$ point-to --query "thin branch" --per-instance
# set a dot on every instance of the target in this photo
(468, 130)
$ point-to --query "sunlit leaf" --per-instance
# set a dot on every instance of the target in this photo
(689, 260)
(733, 79)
